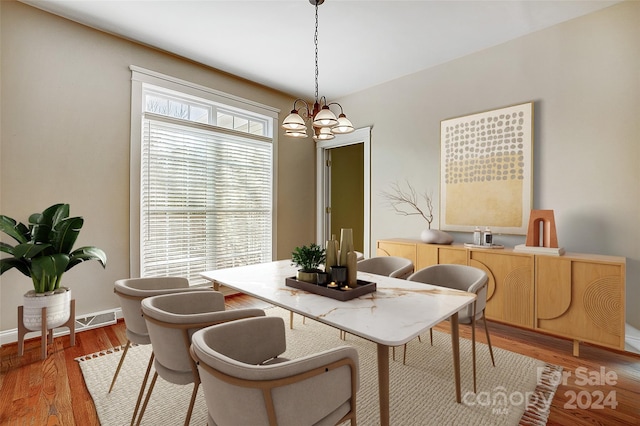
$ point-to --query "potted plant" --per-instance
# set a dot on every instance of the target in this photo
(44, 253)
(308, 259)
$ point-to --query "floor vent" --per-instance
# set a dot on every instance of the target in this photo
(95, 321)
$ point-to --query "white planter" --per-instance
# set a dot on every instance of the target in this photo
(58, 306)
(435, 236)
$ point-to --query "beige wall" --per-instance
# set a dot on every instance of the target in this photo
(65, 135)
(584, 78)
(65, 129)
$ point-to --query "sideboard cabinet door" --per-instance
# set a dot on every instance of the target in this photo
(398, 248)
(433, 254)
(581, 299)
(510, 297)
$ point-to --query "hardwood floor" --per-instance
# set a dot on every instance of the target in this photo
(52, 392)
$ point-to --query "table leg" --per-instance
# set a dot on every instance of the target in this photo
(383, 383)
(455, 346)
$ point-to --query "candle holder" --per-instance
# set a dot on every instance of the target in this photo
(339, 275)
(322, 278)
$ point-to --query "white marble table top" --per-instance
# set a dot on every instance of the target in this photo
(394, 314)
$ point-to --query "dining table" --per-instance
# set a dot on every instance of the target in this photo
(395, 313)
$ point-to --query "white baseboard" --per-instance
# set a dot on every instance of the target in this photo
(83, 323)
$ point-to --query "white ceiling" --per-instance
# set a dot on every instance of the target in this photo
(361, 43)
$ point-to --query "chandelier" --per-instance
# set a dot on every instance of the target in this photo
(324, 122)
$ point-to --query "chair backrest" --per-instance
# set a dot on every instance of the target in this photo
(391, 266)
(131, 291)
(459, 277)
(172, 319)
(240, 388)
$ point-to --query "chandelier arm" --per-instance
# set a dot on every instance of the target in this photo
(306, 106)
(335, 103)
(323, 101)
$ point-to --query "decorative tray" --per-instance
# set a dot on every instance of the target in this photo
(492, 246)
(337, 293)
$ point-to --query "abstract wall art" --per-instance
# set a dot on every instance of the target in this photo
(486, 170)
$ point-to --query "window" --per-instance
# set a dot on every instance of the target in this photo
(205, 179)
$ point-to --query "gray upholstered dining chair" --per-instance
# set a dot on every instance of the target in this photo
(130, 293)
(246, 382)
(390, 266)
(466, 278)
(171, 320)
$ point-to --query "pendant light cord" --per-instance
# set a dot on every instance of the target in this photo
(315, 40)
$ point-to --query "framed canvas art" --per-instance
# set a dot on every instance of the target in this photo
(486, 162)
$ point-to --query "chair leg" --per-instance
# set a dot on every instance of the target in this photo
(473, 351)
(431, 335)
(148, 397)
(486, 329)
(115, 375)
(142, 387)
(393, 353)
(191, 403)
(404, 355)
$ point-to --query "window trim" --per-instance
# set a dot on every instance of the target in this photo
(140, 76)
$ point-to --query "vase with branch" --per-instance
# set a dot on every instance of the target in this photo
(405, 202)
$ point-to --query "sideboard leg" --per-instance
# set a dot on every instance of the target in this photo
(576, 348)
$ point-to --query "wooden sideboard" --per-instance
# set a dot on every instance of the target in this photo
(576, 296)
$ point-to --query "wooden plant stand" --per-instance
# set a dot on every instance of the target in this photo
(22, 330)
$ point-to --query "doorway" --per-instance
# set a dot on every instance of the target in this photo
(346, 192)
(343, 188)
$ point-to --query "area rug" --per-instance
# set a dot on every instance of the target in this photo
(518, 390)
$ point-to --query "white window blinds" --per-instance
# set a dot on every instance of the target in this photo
(206, 198)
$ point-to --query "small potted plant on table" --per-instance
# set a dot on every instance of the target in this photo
(308, 259)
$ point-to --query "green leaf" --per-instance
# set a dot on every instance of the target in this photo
(42, 223)
(10, 263)
(60, 213)
(46, 271)
(87, 253)
(6, 248)
(17, 231)
(29, 250)
(65, 234)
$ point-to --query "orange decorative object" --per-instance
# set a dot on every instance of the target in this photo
(542, 219)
